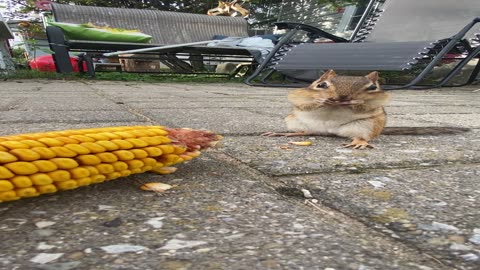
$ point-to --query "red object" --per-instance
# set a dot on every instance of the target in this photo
(43, 4)
(46, 63)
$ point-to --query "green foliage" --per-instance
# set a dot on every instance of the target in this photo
(122, 76)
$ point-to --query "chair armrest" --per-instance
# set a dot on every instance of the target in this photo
(313, 32)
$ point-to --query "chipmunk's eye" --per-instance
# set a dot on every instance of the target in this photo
(323, 85)
(372, 87)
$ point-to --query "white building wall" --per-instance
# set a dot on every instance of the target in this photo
(6, 62)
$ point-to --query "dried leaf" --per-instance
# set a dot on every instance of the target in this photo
(305, 143)
(155, 186)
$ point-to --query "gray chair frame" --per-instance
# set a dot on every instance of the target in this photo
(434, 50)
(166, 28)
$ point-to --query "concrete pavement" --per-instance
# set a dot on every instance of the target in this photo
(413, 202)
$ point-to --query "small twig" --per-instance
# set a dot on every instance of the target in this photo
(314, 205)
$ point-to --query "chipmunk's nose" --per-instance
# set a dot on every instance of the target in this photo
(343, 98)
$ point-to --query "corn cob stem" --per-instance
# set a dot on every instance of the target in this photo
(39, 163)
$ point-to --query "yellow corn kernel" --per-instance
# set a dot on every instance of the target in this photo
(149, 162)
(25, 154)
(3, 148)
(120, 166)
(98, 178)
(33, 143)
(113, 175)
(6, 157)
(165, 139)
(84, 181)
(134, 164)
(124, 134)
(105, 168)
(136, 170)
(146, 168)
(179, 149)
(124, 155)
(156, 140)
(88, 160)
(158, 132)
(63, 152)
(153, 151)
(51, 142)
(27, 192)
(12, 138)
(163, 170)
(14, 145)
(21, 167)
(79, 172)
(40, 179)
(139, 153)
(92, 170)
(97, 136)
(67, 140)
(141, 133)
(45, 165)
(44, 152)
(21, 181)
(60, 175)
(107, 157)
(8, 196)
(77, 149)
(110, 146)
(137, 143)
(5, 173)
(82, 138)
(186, 157)
(47, 189)
(65, 163)
(195, 153)
(93, 147)
(171, 158)
(149, 133)
(166, 149)
(109, 135)
(122, 144)
(50, 134)
(125, 173)
(64, 185)
(6, 185)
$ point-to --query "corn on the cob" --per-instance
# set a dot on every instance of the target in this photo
(39, 163)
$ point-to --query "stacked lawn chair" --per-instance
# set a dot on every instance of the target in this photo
(398, 35)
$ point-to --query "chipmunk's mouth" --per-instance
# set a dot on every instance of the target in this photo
(334, 102)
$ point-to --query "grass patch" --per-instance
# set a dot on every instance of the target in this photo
(122, 76)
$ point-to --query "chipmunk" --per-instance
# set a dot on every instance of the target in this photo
(345, 106)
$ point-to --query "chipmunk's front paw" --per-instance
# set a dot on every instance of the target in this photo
(360, 144)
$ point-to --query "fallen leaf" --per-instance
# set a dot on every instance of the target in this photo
(155, 186)
(305, 143)
(44, 258)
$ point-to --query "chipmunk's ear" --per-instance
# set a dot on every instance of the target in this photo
(328, 75)
(373, 76)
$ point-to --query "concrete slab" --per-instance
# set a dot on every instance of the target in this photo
(228, 120)
(431, 208)
(204, 223)
(410, 203)
(268, 155)
(52, 116)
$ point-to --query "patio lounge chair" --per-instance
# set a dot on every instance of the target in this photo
(406, 34)
(166, 28)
